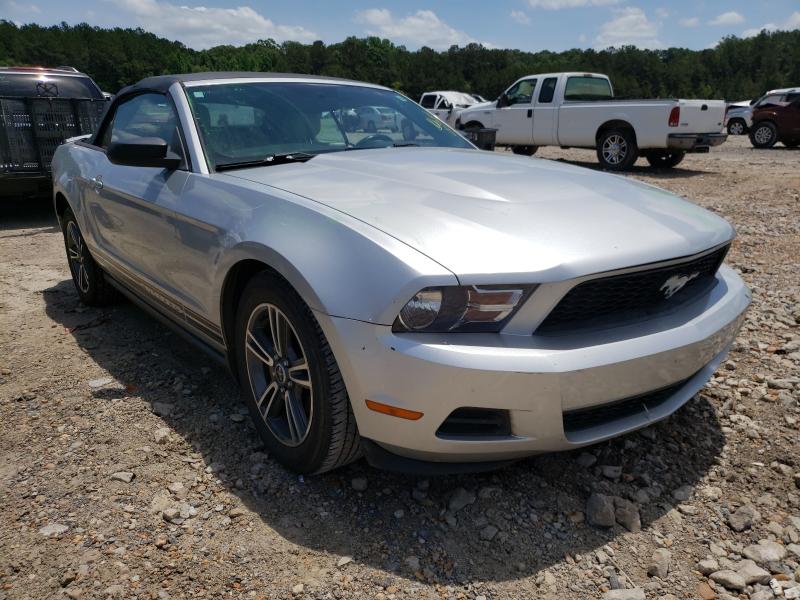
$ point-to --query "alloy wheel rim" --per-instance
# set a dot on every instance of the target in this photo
(763, 135)
(77, 257)
(279, 374)
(737, 128)
(615, 148)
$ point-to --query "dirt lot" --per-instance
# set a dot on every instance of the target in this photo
(128, 467)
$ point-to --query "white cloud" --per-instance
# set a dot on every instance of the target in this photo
(423, 28)
(727, 18)
(662, 13)
(520, 17)
(559, 4)
(793, 22)
(631, 27)
(12, 10)
(690, 22)
(202, 27)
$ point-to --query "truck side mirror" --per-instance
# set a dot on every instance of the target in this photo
(502, 101)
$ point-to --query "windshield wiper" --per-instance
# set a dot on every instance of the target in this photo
(404, 145)
(269, 159)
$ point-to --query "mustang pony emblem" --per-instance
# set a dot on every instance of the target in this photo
(46, 89)
(675, 284)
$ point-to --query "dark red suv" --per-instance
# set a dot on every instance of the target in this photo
(776, 118)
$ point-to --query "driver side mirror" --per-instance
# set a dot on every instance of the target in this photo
(503, 101)
(143, 152)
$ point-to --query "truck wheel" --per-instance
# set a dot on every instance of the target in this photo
(291, 381)
(616, 149)
(764, 135)
(88, 277)
(665, 159)
(473, 125)
(524, 150)
(737, 127)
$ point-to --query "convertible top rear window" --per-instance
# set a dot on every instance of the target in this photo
(246, 121)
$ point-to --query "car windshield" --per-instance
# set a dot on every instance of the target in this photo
(251, 122)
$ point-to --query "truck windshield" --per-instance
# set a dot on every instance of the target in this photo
(588, 88)
(244, 122)
(47, 85)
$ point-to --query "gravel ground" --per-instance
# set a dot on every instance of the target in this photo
(129, 469)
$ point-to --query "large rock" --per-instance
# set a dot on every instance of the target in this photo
(659, 564)
(632, 594)
(460, 498)
(752, 573)
(729, 579)
(627, 514)
(600, 510)
(743, 518)
(765, 552)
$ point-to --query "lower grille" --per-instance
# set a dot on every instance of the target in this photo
(630, 296)
(475, 422)
(581, 419)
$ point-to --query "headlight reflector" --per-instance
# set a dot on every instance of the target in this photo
(461, 308)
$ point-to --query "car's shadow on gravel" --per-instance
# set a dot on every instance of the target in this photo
(508, 524)
(26, 213)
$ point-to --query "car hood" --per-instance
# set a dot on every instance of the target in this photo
(490, 217)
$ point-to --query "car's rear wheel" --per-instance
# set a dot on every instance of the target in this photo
(291, 381)
(617, 149)
(737, 127)
(524, 150)
(88, 277)
(764, 135)
(665, 159)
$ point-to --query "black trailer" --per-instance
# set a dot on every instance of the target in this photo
(39, 109)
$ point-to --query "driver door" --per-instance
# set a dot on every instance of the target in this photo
(131, 209)
(514, 121)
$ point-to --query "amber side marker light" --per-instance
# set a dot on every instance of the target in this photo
(394, 411)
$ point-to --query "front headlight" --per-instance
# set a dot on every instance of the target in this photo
(461, 308)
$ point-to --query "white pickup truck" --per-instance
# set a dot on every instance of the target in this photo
(579, 110)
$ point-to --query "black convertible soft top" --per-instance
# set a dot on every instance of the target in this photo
(161, 83)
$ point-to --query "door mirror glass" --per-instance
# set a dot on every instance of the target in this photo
(143, 152)
(502, 100)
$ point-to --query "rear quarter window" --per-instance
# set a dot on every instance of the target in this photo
(47, 85)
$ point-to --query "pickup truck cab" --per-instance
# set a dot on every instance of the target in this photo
(776, 118)
(580, 110)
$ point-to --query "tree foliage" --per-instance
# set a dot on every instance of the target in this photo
(735, 69)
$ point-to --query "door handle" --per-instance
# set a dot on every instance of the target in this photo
(530, 113)
(97, 183)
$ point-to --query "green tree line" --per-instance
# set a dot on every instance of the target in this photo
(734, 69)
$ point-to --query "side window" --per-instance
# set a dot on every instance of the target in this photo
(548, 90)
(144, 116)
(428, 101)
(773, 100)
(521, 92)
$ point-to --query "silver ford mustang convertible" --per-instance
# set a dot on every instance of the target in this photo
(394, 292)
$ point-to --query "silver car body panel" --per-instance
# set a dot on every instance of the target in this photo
(359, 233)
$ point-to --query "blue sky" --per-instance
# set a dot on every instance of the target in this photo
(525, 24)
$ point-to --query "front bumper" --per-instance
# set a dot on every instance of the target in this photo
(535, 378)
(695, 142)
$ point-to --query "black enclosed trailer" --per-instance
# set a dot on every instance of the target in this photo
(39, 109)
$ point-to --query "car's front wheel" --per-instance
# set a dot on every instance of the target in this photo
(764, 135)
(291, 380)
(524, 150)
(89, 279)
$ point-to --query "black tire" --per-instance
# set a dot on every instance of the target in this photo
(792, 144)
(331, 437)
(665, 159)
(524, 150)
(89, 279)
(737, 127)
(763, 134)
(626, 151)
(473, 125)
